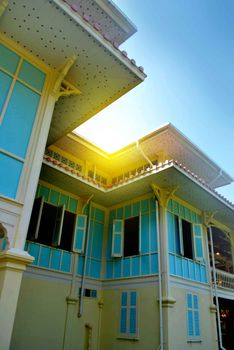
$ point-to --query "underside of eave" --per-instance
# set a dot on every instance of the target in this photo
(64, 109)
(188, 189)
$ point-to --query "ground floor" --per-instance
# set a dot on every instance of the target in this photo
(116, 314)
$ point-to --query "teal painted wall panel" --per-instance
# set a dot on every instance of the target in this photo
(126, 267)
(5, 83)
(109, 242)
(44, 257)
(95, 269)
(34, 251)
(9, 60)
(145, 270)
(10, 175)
(55, 259)
(80, 266)
(54, 197)
(135, 266)
(127, 211)
(99, 215)
(97, 240)
(109, 269)
(66, 262)
(203, 274)
(90, 238)
(144, 205)
(172, 264)
(73, 203)
(63, 200)
(16, 128)
(179, 262)
(153, 232)
(44, 192)
(154, 263)
(144, 233)
(198, 272)
(136, 209)
(117, 269)
(171, 233)
(185, 268)
(32, 75)
(192, 270)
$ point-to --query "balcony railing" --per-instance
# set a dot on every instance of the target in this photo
(224, 279)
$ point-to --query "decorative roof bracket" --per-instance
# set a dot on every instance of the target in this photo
(208, 217)
(163, 194)
(67, 89)
(61, 86)
(3, 6)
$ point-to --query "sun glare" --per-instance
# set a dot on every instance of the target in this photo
(107, 132)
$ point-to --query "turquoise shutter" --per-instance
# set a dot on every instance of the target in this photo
(58, 226)
(80, 232)
(123, 313)
(133, 314)
(196, 316)
(117, 238)
(190, 329)
(197, 235)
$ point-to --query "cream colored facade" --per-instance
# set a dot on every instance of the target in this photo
(73, 272)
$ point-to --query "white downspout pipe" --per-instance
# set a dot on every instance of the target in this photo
(215, 289)
(161, 331)
(81, 299)
(143, 153)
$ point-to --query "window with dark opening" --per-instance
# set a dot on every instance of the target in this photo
(222, 250)
(131, 236)
(45, 223)
(187, 239)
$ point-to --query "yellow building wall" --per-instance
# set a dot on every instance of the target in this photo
(178, 321)
(42, 314)
(148, 320)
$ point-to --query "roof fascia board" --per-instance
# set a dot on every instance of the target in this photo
(118, 16)
(116, 53)
(197, 151)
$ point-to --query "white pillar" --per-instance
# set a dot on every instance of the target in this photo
(33, 175)
(163, 196)
(12, 265)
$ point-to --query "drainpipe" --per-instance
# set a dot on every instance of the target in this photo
(215, 289)
(143, 153)
(81, 299)
(160, 347)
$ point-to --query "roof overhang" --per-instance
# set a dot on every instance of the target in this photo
(53, 32)
(188, 188)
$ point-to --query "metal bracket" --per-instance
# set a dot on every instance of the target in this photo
(61, 86)
(208, 217)
(67, 89)
(3, 6)
(163, 194)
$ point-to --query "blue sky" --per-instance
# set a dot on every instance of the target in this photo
(187, 50)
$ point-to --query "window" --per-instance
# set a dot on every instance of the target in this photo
(188, 239)
(125, 239)
(193, 322)
(128, 314)
(222, 249)
(57, 227)
(89, 293)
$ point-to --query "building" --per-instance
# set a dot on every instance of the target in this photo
(100, 251)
